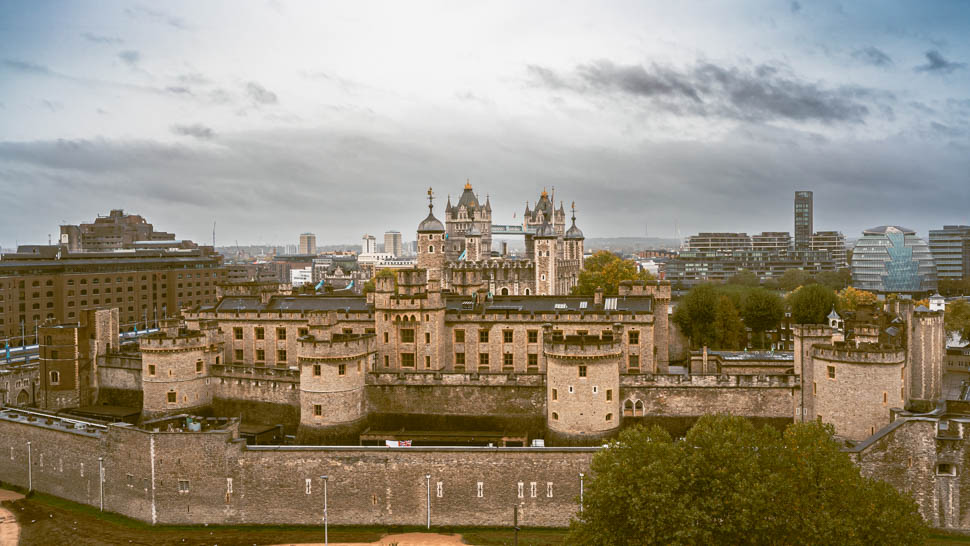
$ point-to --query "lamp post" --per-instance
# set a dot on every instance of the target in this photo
(580, 491)
(30, 474)
(101, 481)
(428, 478)
(326, 537)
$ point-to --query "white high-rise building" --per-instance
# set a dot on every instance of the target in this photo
(368, 244)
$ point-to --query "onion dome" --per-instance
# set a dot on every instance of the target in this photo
(430, 224)
(574, 232)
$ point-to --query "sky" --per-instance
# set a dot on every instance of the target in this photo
(273, 118)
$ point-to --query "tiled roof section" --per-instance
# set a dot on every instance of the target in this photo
(293, 303)
(550, 304)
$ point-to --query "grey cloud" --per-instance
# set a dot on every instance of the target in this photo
(936, 63)
(53, 106)
(130, 57)
(99, 39)
(872, 55)
(220, 96)
(158, 16)
(196, 130)
(795, 7)
(193, 78)
(24, 66)
(178, 90)
(947, 130)
(260, 94)
(706, 89)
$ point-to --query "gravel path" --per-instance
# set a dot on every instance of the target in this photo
(9, 530)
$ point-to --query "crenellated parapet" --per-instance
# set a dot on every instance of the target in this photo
(176, 367)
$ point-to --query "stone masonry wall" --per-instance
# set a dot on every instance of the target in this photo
(682, 396)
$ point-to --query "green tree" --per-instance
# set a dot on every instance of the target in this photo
(606, 270)
(850, 298)
(762, 311)
(729, 482)
(695, 314)
(836, 280)
(729, 332)
(745, 278)
(811, 304)
(793, 278)
(956, 319)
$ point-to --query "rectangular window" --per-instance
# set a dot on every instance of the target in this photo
(183, 486)
(386, 337)
(317, 410)
(507, 336)
(460, 359)
(427, 337)
(533, 361)
(582, 371)
(303, 332)
(521, 490)
(151, 369)
(281, 333)
(316, 370)
(281, 355)
(342, 369)
(885, 398)
(260, 355)
(533, 336)
(239, 355)
(172, 398)
(129, 480)
(483, 359)
(439, 490)
(237, 333)
(549, 489)
(814, 387)
(507, 361)
(407, 335)
(634, 363)
(831, 370)
(427, 361)
(533, 489)
(555, 394)
(387, 359)
(258, 333)
(459, 336)
(198, 366)
(407, 360)
(483, 336)
(481, 489)
(634, 337)
(609, 394)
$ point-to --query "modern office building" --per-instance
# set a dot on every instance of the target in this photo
(691, 268)
(950, 247)
(803, 219)
(834, 243)
(771, 241)
(308, 243)
(893, 259)
(368, 244)
(717, 242)
(115, 231)
(392, 243)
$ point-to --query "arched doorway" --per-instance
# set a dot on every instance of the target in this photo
(23, 398)
(505, 291)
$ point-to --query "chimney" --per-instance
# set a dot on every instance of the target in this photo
(598, 297)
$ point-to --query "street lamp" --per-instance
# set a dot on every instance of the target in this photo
(580, 491)
(101, 480)
(326, 537)
(428, 478)
(30, 475)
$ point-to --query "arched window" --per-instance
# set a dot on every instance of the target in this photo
(638, 408)
(505, 291)
(431, 248)
(55, 378)
(555, 416)
(628, 408)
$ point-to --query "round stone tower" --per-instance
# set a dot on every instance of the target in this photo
(175, 368)
(856, 387)
(333, 368)
(582, 387)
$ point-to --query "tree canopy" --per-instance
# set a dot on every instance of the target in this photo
(956, 319)
(811, 304)
(606, 270)
(729, 482)
(762, 311)
(716, 315)
(851, 298)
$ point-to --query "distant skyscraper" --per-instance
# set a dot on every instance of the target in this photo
(951, 252)
(803, 219)
(368, 244)
(392, 243)
(308, 243)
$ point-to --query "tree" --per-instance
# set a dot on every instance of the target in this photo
(729, 332)
(956, 319)
(793, 278)
(729, 482)
(836, 280)
(762, 311)
(695, 314)
(606, 270)
(745, 278)
(811, 304)
(851, 298)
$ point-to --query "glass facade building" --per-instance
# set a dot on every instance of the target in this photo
(951, 252)
(803, 219)
(892, 259)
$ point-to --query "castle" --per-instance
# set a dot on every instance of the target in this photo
(440, 354)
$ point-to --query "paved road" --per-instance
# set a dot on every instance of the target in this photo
(9, 530)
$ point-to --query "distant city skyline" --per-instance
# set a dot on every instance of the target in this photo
(289, 117)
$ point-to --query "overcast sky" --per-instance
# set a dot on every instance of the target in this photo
(275, 118)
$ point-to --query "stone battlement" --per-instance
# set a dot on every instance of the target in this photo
(701, 381)
(456, 379)
(863, 354)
